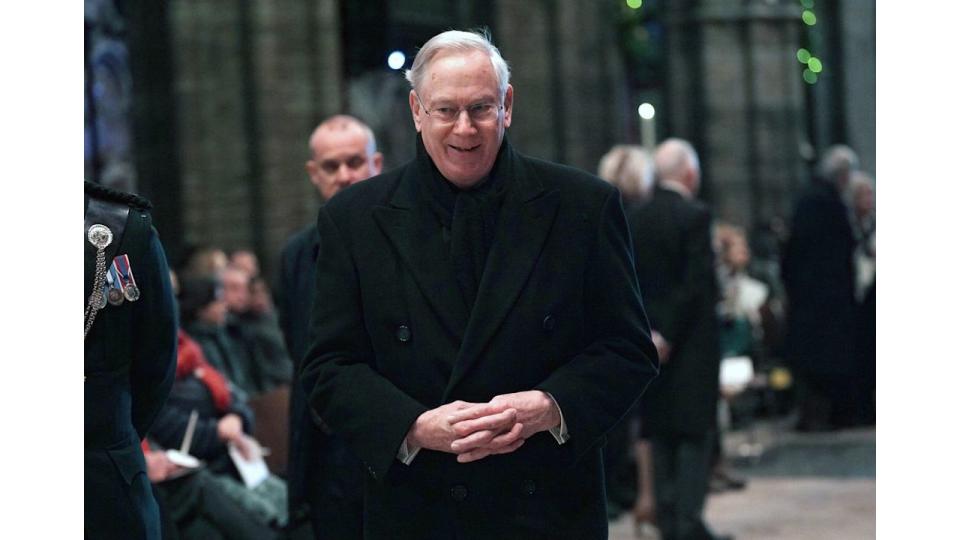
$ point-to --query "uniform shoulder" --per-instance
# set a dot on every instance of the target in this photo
(98, 191)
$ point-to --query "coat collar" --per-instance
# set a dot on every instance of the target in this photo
(525, 220)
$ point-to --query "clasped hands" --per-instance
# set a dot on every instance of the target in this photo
(474, 431)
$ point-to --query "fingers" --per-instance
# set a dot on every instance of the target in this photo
(497, 421)
(481, 453)
(476, 410)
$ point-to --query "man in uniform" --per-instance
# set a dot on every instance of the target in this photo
(129, 360)
(477, 326)
(324, 478)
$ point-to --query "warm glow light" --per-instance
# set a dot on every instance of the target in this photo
(396, 60)
(646, 111)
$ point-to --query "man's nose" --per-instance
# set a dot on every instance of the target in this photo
(463, 124)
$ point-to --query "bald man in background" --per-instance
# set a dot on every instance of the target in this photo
(324, 479)
(675, 267)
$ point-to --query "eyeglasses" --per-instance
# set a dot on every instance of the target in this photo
(478, 112)
(331, 166)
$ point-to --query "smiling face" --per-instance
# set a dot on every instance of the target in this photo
(464, 151)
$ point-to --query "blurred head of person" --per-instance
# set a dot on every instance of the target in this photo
(343, 151)
(860, 194)
(246, 260)
(837, 164)
(734, 249)
(236, 289)
(629, 168)
(204, 261)
(462, 103)
(677, 166)
(261, 302)
(201, 300)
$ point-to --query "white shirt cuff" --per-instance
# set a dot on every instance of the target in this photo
(560, 432)
(407, 453)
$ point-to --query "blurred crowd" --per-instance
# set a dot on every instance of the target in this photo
(778, 321)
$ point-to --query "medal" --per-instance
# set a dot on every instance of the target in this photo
(126, 282)
(131, 292)
(99, 235)
(115, 297)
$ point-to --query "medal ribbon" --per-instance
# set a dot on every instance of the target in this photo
(122, 265)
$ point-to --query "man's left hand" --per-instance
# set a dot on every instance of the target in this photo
(536, 412)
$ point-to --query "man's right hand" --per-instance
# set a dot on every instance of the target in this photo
(433, 430)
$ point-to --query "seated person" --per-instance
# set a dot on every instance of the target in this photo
(223, 418)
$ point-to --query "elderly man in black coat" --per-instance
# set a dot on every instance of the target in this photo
(675, 266)
(477, 328)
(129, 358)
(819, 278)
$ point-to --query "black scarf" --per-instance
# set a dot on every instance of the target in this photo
(468, 217)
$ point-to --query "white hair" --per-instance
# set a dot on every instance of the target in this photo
(838, 162)
(459, 41)
(630, 169)
(672, 157)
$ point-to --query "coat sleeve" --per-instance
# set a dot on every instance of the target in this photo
(155, 338)
(369, 412)
(597, 387)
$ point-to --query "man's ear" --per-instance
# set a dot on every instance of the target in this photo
(508, 106)
(311, 167)
(415, 109)
(377, 163)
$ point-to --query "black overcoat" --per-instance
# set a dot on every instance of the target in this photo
(558, 309)
(675, 266)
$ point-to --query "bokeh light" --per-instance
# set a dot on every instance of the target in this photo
(396, 60)
(809, 17)
(634, 4)
(646, 111)
(809, 76)
(815, 65)
(803, 56)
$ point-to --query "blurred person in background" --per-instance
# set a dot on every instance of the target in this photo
(674, 257)
(202, 260)
(818, 274)
(247, 261)
(630, 485)
(861, 194)
(325, 479)
(258, 333)
(223, 419)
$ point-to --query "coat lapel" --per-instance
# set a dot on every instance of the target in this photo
(525, 221)
(416, 236)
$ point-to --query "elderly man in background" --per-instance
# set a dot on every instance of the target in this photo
(675, 266)
(477, 325)
(325, 479)
(818, 273)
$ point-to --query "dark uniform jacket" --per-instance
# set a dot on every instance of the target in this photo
(557, 309)
(675, 267)
(129, 363)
